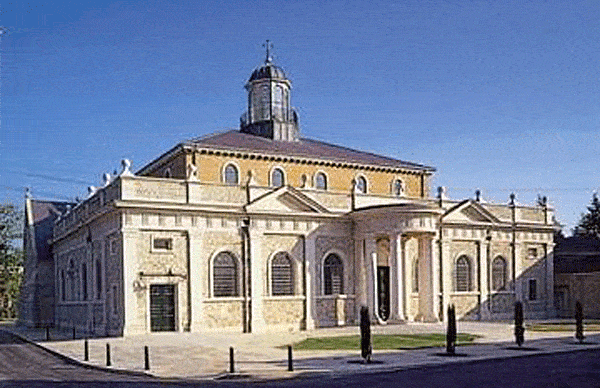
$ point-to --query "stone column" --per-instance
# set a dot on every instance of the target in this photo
(257, 270)
(197, 279)
(370, 274)
(400, 270)
(360, 271)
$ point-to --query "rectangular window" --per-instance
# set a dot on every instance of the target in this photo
(532, 289)
(532, 253)
(163, 244)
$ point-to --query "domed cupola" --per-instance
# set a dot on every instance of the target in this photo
(269, 111)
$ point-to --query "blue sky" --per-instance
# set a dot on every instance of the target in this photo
(497, 95)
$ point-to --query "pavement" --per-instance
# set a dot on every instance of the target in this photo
(199, 356)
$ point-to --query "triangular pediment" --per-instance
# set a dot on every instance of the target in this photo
(285, 200)
(469, 211)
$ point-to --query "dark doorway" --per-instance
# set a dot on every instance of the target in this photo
(383, 292)
(162, 307)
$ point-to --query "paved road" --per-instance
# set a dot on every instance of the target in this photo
(24, 365)
(21, 364)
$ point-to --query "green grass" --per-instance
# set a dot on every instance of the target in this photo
(381, 341)
(593, 325)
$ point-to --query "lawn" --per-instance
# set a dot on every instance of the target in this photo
(588, 325)
(381, 341)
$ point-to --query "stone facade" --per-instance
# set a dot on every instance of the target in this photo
(240, 232)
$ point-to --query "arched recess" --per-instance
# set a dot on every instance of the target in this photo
(362, 185)
(499, 273)
(225, 275)
(463, 274)
(277, 177)
(321, 180)
(333, 274)
(231, 174)
(282, 274)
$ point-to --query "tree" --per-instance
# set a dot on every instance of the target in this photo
(589, 224)
(11, 259)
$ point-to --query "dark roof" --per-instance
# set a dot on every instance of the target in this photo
(308, 148)
(577, 254)
(268, 70)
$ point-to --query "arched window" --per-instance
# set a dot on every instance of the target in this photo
(463, 274)
(321, 181)
(168, 173)
(277, 178)
(499, 274)
(333, 275)
(398, 188)
(225, 277)
(282, 279)
(231, 175)
(361, 185)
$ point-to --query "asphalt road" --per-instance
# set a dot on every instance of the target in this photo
(24, 365)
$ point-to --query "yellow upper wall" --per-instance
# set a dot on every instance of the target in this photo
(210, 168)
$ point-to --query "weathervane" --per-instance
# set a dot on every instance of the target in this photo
(268, 46)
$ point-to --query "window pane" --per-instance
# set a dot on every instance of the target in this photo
(361, 185)
(463, 274)
(499, 274)
(321, 181)
(225, 275)
(398, 188)
(231, 175)
(277, 178)
(333, 275)
(281, 275)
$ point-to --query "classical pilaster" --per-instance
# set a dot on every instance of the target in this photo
(310, 263)
(484, 280)
(400, 289)
(134, 317)
(197, 279)
(370, 258)
(257, 281)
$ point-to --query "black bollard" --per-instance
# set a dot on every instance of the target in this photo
(47, 333)
(146, 358)
(108, 355)
(86, 350)
(74, 333)
(231, 361)
(290, 360)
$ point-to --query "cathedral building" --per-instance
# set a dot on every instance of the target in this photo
(260, 229)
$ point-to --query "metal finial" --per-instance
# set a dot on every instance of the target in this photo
(268, 45)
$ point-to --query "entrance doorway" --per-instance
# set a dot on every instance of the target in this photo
(162, 307)
(383, 292)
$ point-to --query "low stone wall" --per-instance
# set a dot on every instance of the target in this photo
(223, 313)
(467, 304)
(286, 312)
(336, 310)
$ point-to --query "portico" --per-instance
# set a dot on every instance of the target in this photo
(397, 253)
